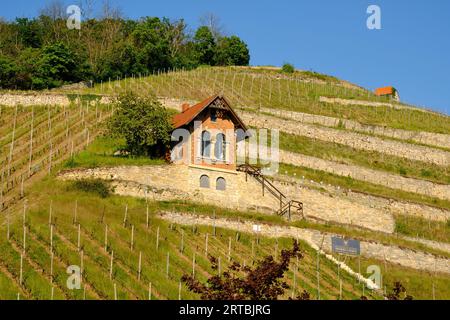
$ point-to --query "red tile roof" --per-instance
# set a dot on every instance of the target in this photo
(384, 91)
(189, 114)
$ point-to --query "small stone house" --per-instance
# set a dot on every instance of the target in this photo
(206, 138)
(206, 134)
(390, 92)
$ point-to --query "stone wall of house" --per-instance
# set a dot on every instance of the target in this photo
(441, 191)
(180, 182)
(352, 139)
(316, 239)
(428, 138)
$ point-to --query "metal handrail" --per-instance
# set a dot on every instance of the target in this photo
(285, 206)
(256, 173)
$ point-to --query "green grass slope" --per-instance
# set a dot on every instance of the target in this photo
(78, 222)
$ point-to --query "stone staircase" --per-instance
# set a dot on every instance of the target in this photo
(287, 207)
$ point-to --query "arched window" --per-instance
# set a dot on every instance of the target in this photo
(219, 147)
(206, 144)
(204, 181)
(221, 184)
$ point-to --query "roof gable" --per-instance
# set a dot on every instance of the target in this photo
(186, 117)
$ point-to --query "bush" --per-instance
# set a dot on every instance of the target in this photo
(96, 186)
(144, 123)
(425, 173)
(263, 281)
(288, 68)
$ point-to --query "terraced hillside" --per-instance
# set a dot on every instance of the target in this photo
(300, 92)
(364, 167)
(62, 226)
(388, 150)
(33, 139)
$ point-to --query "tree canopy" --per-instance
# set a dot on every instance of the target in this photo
(265, 281)
(205, 45)
(232, 51)
(288, 68)
(41, 52)
(143, 122)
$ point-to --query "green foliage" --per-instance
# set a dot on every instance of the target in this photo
(57, 64)
(288, 68)
(144, 124)
(43, 53)
(232, 51)
(121, 60)
(96, 186)
(420, 227)
(29, 32)
(205, 45)
(7, 71)
(402, 171)
(425, 173)
(102, 152)
(320, 76)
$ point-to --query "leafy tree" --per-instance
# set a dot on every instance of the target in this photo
(288, 68)
(143, 122)
(263, 282)
(26, 67)
(153, 44)
(120, 60)
(56, 65)
(29, 32)
(186, 58)
(232, 51)
(42, 52)
(205, 45)
(8, 70)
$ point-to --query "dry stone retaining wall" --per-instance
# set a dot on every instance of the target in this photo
(355, 140)
(422, 137)
(428, 138)
(365, 103)
(40, 99)
(394, 207)
(179, 182)
(326, 207)
(247, 227)
(390, 253)
(431, 189)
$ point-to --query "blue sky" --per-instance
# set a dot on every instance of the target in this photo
(410, 52)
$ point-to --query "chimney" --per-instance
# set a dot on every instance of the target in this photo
(184, 107)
